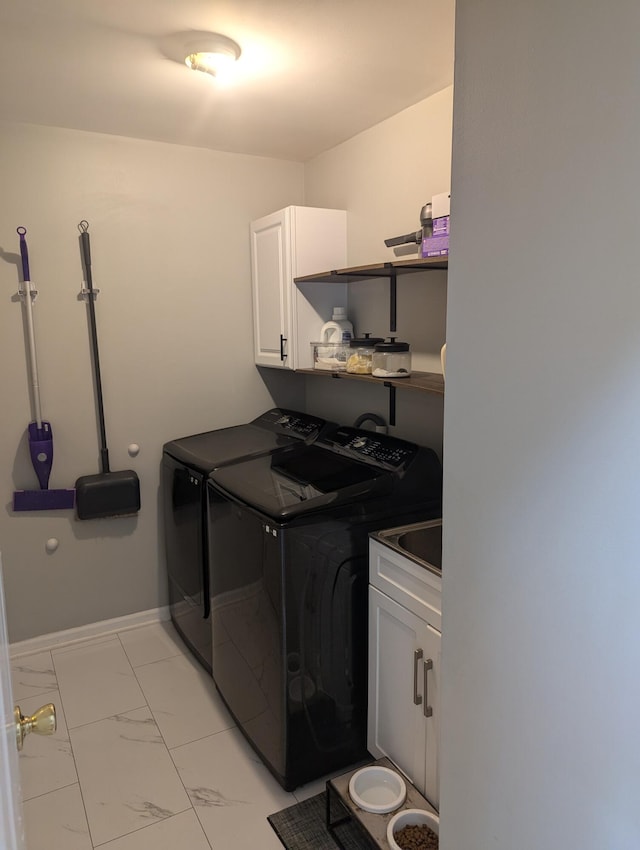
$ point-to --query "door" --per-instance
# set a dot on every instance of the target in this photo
(404, 663)
(431, 691)
(271, 281)
(11, 830)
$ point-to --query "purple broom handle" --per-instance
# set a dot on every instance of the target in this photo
(24, 253)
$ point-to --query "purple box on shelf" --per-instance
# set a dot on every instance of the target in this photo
(437, 245)
(441, 226)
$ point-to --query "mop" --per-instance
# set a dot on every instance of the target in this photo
(40, 432)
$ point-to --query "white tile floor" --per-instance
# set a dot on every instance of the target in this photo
(146, 757)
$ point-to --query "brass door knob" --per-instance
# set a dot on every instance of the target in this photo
(43, 722)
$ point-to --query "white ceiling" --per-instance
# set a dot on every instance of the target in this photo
(312, 74)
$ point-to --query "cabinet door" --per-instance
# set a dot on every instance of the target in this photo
(271, 276)
(290, 243)
(431, 699)
(399, 645)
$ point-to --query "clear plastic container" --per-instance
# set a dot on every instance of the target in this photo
(391, 359)
(330, 356)
(361, 352)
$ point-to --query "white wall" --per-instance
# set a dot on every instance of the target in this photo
(383, 177)
(541, 643)
(170, 251)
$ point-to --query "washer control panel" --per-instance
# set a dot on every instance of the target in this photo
(369, 446)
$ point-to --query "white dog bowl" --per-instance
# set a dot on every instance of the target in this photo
(411, 817)
(377, 789)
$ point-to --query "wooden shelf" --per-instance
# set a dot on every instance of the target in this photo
(391, 269)
(379, 270)
(430, 382)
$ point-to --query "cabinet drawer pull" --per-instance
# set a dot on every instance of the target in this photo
(283, 339)
(428, 665)
(417, 655)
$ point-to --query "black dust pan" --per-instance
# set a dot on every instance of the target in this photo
(105, 494)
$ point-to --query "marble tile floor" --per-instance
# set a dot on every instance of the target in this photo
(146, 757)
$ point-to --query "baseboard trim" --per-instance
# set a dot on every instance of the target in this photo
(103, 628)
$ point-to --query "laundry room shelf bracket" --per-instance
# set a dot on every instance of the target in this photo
(392, 402)
(393, 300)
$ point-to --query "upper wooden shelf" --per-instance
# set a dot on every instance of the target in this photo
(390, 269)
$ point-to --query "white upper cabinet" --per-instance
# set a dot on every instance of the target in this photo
(290, 243)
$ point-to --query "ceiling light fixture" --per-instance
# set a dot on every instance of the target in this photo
(212, 54)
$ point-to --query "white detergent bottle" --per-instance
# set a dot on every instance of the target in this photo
(339, 329)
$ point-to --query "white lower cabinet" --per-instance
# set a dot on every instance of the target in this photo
(404, 676)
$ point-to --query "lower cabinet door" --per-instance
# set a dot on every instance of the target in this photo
(404, 659)
(431, 640)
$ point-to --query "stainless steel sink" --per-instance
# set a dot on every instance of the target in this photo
(421, 541)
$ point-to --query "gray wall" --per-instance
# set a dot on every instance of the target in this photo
(170, 251)
(383, 177)
(541, 642)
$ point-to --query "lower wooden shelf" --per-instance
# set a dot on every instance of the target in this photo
(430, 382)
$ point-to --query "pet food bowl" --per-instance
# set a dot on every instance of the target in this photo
(411, 817)
(377, 789)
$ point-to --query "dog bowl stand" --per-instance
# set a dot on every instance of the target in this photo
(369, 830)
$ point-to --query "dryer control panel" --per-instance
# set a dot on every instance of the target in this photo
(291, 422)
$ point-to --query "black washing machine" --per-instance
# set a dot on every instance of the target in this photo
(288, 552)
(186, 462)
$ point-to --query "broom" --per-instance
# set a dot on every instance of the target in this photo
(105, 494)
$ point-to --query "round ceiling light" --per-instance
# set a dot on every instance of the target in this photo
(214, 54)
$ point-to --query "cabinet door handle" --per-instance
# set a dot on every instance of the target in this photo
(417, 655)
(283, 339)
(428, 665)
